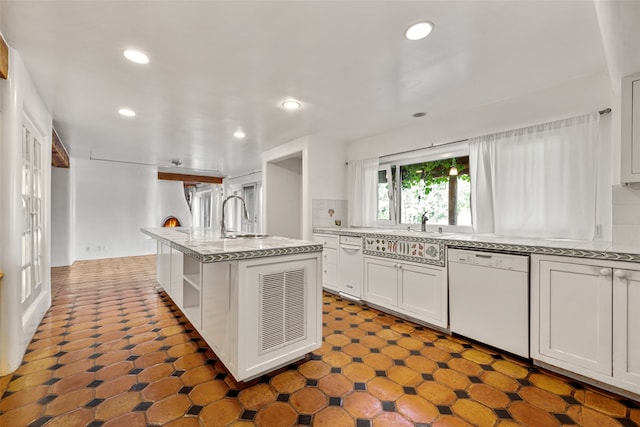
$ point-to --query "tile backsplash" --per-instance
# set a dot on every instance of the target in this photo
(329, 213)
(626, 215)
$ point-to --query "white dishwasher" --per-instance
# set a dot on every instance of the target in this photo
(489, 298)
(350, 267)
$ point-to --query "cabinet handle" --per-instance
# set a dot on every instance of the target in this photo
(605, 271)
(325, 271)
(400, 266)
(620, 273)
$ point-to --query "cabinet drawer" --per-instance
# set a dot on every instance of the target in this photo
(349, 240)
(326, 240)
(329, 256)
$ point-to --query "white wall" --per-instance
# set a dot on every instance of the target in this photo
(576, 97)
(284, 193)
(573, 98)
(112, 201)
(323, 174)
(61, 217)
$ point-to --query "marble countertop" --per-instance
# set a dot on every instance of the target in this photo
(567, 247)
(208, 245)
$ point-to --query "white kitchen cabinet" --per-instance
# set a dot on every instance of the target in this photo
(626, 327)
(412, 289)
(261, 313)
(218, 322)
(163, 265)
(175, 284)
(256, 315)
(169, 271)
(423, 293)
(584, 318)
(330, 245)
(381, 281)
(630, 132)
(575, 315)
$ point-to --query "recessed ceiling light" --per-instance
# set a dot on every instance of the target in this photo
(127, 112)
(419, 31)
(136, 56)
(239, 134)
(291, 104)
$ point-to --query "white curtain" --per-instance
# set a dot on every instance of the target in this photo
(538, 181)
(363, 192)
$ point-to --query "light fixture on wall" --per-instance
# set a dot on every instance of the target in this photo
(454, 170)
(176, 162)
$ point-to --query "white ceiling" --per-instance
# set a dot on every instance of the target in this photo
(221, 65)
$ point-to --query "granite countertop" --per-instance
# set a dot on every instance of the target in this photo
(567, 247)
(208, 245)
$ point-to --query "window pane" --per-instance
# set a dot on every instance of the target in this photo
(384, 211)
(431, 188)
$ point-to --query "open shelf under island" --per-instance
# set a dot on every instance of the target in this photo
(255, 300)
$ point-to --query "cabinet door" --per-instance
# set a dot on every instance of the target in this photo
(279, 317)
(330, 268)
(381, 282)
(422, 293)
(218, 313)
(575, 316)
(630, 141)
(163, 270)
(626, 327)
(175, 285)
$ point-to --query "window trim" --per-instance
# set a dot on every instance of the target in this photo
(439, 152)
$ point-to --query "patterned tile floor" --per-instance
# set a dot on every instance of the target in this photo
(114, 351)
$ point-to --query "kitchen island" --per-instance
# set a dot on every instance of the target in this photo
(255, 299)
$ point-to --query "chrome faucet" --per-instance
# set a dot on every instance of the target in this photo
(223, 229)
(423, 227)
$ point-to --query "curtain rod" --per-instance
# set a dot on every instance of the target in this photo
(601, 112)
(119, 161)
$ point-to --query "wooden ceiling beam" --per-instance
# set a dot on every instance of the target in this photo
(59, 156)
(189, 178)
(4, 59)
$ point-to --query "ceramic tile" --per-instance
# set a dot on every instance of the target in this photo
(113, 350)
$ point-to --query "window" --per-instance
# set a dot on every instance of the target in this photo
(438, 188)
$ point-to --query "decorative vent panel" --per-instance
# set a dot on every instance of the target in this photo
(282, 308)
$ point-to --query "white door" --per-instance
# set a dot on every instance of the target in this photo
(251, 197)
(575, 316)
(32, 216)
(626, 326)
(422, 293)
(381, 281)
